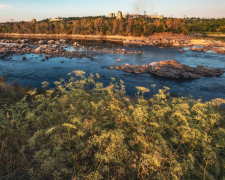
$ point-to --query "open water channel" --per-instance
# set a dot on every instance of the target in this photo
(33, 71)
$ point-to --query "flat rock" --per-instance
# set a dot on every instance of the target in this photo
(171, 69)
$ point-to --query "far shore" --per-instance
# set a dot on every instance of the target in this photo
(191, 39)
(68, 36)
(207, 35)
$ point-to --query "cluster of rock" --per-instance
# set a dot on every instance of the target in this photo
(54, 50)
(51, 41)
(116, 51)
(220, 50)
(199, 49)
(15, 41)
(175, 40)
(216, 49)
(76, 44)
(171, 69)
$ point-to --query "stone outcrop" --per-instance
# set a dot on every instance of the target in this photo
(171, 69)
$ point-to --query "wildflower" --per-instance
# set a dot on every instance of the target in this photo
(153, 85)
(45, 84)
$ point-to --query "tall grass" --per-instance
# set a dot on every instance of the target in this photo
(82, 130)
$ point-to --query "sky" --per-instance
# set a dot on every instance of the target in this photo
(25, 10)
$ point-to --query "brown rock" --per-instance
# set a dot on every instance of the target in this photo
(171, 69)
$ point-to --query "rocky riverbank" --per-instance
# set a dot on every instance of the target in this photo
(171, 69)
(163, 38)
(177, 40)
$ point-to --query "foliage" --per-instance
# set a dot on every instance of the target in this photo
(10, 93)
(82, 130)
(102, 25)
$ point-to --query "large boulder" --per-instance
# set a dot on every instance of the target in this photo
(62, 40)
(38, 50)
(24, 41)
(171, 69)
(76, 44)
(51, 42)
(42, 42)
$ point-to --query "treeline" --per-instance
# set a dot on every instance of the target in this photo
(111, 26)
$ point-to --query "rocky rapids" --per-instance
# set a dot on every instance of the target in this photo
(53, 49)
(50, 48)
(171, 69)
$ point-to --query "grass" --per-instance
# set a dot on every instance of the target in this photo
(82, 130)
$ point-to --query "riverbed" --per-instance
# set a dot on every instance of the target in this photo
(33, 71)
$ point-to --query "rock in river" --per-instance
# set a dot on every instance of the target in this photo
(171, 69)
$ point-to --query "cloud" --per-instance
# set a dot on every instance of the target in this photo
(4, 6)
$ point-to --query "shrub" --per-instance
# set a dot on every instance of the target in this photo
(82, 130)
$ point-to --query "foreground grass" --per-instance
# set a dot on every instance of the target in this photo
(72, 132)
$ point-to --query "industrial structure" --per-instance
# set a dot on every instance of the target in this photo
(134, 16)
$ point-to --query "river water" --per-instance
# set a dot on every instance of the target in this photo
(33, 71)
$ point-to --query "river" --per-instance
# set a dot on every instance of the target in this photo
(33, 71)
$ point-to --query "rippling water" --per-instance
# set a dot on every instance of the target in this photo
(33, 71)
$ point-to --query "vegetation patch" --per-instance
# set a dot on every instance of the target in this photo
(82, 130)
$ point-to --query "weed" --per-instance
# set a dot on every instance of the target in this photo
(82, 130)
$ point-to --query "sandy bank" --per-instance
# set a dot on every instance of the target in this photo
(91, 37)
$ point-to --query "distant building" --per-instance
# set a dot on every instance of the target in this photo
(33, 20)
(134, 16)
(56, 19)
(127, 16)
(155, 16)
(119, 15)
(111, 15)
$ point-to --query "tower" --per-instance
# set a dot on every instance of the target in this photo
(119, 15)
(145, 14)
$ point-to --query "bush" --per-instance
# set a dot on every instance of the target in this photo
(82, 130)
